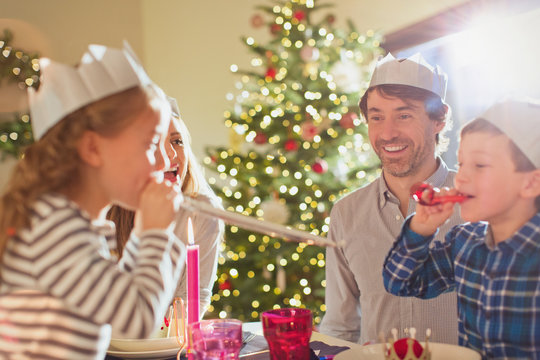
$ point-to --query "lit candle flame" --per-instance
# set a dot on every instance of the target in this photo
(190, 232)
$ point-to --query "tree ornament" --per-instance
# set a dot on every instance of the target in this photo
(330, 19)
(271, 73)
(225, 285)
(275, 29)
(326, 123)
(275, 211)
(309, 53)
(348, 120)
(308, 131)
(291, 145)
(348, 75)
(320, 166)
(257, 21)
(311, 69)
(260, 138)
(299, 15)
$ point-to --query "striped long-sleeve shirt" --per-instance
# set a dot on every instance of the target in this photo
(63, 297)
(498, 285)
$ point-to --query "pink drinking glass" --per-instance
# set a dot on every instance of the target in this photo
(287, 332)
(215, 339)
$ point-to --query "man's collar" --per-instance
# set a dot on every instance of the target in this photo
(436, 179)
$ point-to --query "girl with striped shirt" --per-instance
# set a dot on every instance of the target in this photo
(100, 131)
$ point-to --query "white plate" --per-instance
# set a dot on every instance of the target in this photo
(157, 354)
(141, 345)
(438, 352)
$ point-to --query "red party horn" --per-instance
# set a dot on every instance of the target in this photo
(418, 189)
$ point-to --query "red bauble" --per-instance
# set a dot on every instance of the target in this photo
(260, 139)
(271, 73)
(291, 145)
(331, 19)
(347, 120)
(275, 29)
(299, 15)
(320, 166)
(225, 285)
(401, 346)
(309, 130)
(257, 21)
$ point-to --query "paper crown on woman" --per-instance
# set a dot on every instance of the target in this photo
(519, 119)
(102, 71)
(174, 106)
(412, 71)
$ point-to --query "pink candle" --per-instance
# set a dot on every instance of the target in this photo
(192, 277)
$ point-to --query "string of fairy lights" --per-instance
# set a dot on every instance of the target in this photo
(16, 66)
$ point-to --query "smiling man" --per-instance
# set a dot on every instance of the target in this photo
(406, 115)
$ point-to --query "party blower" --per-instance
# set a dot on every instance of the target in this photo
(251, 223)
(418, 189)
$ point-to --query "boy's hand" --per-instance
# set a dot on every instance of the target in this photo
(428, 218)
(159, 204)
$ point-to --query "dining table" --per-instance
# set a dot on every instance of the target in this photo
(256, 348)
(323, 347)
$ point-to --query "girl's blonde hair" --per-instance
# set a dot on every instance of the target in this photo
(193, 185)
(52, 164)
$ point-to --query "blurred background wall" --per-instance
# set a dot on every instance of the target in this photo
(186, 46)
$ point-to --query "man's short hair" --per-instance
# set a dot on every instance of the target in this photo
(435, 107)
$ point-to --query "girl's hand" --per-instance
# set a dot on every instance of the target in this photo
(159, 204)
(428, 218)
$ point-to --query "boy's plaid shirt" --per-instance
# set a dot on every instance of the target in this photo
(498, 285)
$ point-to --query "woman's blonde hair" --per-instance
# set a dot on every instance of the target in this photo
(194, 184)
(52, 164)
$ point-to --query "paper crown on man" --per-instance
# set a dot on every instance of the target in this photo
(412, 71)
(519, 119)
(102, 71)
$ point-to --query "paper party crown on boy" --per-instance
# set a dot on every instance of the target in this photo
(412, 71)
(519, 119)
(101, 72)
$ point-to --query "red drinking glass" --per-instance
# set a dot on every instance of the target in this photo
(418, 189)
(287, 332)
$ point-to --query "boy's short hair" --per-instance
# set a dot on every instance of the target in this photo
(521, 162)
(518, 119)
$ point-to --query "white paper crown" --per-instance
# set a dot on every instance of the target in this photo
(102, 72)
(412, 71)
(519, 119)
(174, 106)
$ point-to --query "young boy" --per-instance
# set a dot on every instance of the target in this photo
(493, 260)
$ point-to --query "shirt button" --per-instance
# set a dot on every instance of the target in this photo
(398, 217)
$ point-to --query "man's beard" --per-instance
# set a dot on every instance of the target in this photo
(403, 166)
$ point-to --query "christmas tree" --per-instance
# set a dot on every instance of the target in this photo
(298, 145)
(16, 66)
